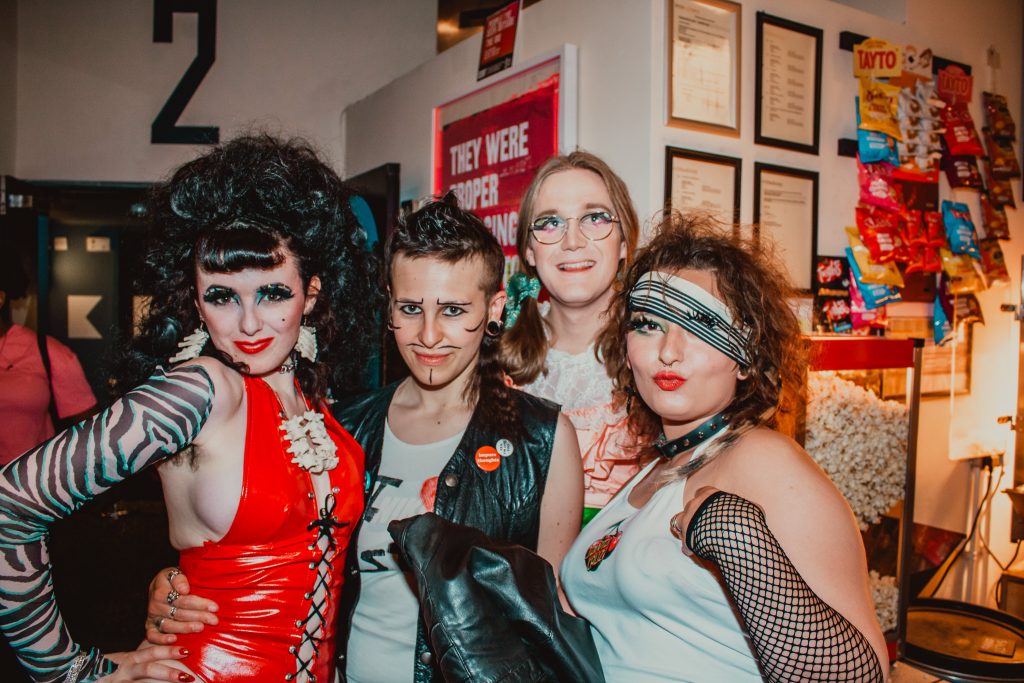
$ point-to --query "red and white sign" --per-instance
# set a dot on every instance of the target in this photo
(953, 85)
(499, 41)
(490, 157)
(877, 58)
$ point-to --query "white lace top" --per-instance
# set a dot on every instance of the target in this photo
(580, 384)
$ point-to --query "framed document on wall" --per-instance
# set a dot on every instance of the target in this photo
(704, 65)
(786, 212)
(707, 183)
(787, 89)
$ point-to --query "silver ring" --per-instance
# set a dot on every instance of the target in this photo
(171, 573)
(174, 610)
(158, 622)
(172, 596)
(674, 526)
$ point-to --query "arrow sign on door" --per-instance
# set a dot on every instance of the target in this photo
(79, 308)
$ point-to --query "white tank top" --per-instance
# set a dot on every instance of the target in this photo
(657, 615)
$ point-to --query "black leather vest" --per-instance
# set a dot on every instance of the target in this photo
(504, 503)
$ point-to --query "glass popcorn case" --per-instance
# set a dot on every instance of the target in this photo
(859, 421)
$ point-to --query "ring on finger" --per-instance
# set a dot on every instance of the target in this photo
(172, 596)
(171, 573)
(158, 622)
(174, 610)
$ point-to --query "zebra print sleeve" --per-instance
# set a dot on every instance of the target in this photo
(152, 422)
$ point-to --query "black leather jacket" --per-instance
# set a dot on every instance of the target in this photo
(504, 503)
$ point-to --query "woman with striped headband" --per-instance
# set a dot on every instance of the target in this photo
(770, 579)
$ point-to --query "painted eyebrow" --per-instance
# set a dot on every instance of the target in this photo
(454, 303)
(409, 301)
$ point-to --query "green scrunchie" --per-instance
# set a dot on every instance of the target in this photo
(520, 287)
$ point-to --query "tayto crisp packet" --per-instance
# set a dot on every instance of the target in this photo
(935, 229)
(873, 273)
(999, 190)
(1001, 157)
(968, 309)
(997, 114)
(961, 135)
(880, 232)
(961, 271)
(960, 229)
(993, 264)
(962, 172)
(874, 295)
(879, 107)
(942, 328)
(994, 222)
(875, 147)
(877, 186)
(914, 233)
(860, 315)
(831, 277)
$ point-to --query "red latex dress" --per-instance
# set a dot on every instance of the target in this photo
(264, 572)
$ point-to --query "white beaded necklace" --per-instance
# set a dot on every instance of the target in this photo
(308, 440)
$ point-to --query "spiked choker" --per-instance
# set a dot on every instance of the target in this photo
(693, 438)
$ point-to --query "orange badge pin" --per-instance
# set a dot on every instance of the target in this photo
(487, 458)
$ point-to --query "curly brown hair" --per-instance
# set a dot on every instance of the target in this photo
(756, 291)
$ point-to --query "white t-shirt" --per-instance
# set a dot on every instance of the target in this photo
(382, 643)
(657, 615)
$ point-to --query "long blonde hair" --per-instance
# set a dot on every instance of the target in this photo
(524, 348)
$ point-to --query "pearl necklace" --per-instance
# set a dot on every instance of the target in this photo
(308, 440)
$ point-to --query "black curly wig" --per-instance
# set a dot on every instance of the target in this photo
(241, 206)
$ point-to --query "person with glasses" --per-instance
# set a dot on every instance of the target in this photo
(578, 230)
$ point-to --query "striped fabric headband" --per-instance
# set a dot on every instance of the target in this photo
(695, 310)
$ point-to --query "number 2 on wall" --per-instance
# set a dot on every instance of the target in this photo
(165, 129)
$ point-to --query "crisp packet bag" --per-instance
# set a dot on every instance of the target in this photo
(993, 263)
(962, 172)
(874, 295)
(880, 232)
(879, 107)
(997, 114)
(1001, 157)
(960, 229)
(999, 189)
(961, 135)
(877, 186)
(873, 273)
(994, 221)
(875, 147)
(860, 315)
(961, 271)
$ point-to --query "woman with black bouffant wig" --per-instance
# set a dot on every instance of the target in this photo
(261, 299)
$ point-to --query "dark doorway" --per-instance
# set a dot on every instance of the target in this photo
(82, 243)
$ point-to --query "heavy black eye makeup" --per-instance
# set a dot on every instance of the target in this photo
(219, 296)
(274, 292)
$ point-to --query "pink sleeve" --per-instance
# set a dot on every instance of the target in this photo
(71, 390)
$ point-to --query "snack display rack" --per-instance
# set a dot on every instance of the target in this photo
(862, 353)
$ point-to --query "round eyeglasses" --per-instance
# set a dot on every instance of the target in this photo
(595, 226)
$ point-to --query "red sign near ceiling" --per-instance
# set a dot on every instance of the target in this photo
(499, 41)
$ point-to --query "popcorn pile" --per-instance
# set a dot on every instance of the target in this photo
(860, 441)
(886, 595)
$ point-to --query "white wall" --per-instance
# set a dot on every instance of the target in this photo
(622, 101)
(91, 79)
(8, 73)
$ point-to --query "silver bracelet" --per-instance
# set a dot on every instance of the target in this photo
(76, 668)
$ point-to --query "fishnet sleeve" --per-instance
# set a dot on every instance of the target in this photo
(796, 635)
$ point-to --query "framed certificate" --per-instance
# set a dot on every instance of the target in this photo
(786, 212)
(704, 65)
(787, 90)
(702, 182)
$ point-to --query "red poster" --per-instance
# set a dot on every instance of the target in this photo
(489, 159)
(499, 41)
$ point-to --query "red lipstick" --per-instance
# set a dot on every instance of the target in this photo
(254, 347)
(668, 381)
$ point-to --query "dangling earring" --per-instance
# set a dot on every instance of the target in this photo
(493, 328)
(192, 345)
(305, 345)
